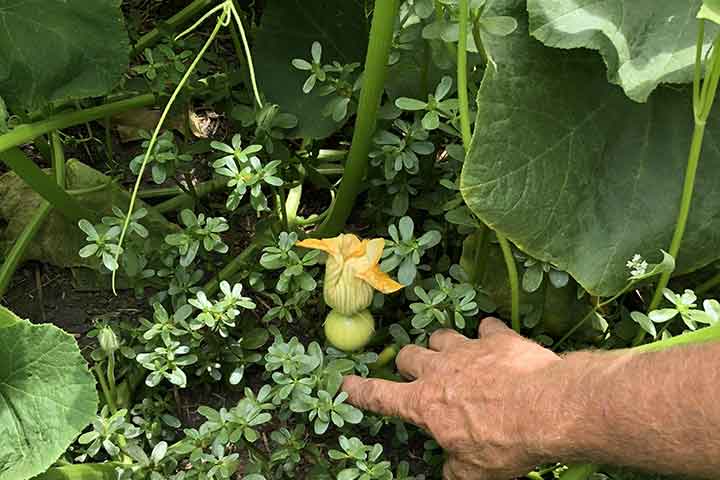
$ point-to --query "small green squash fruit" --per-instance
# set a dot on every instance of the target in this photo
(349, 332)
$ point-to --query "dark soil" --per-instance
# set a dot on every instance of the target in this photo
(46, 294)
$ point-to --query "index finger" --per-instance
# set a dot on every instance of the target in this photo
(383, 397)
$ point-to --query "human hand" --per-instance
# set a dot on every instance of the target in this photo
(483, 400)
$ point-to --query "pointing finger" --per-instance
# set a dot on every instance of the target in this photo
(446, 339)
(383, 397)
(413, 361)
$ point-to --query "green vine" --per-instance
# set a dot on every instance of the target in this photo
(25, 133)
(381, 33)
(17, 251)
(467, 141)
(153, 139)
(703, 99)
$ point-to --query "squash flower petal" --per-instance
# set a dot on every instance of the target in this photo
(352, 271)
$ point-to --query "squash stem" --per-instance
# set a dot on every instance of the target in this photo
(703, 99)
(379, 44)
(17, 252)
(24, 133)
(467, 141)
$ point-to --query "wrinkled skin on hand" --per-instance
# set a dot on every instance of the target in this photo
(478, 398)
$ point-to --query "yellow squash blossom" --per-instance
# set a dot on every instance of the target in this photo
(352, 271)
(351, 274)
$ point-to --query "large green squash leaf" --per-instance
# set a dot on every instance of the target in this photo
(287, 30)
(643, 42)
(47, 395)
(60, 49)
(576, 174)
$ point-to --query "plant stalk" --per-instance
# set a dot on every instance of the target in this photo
(462, 80)
(685, 201)
(292, 203)
(513, 279)
(153, 139)
(703, 99)
(381, 33)
(45, 186)
(184, 200)
(25, 133)
(173, 23)
(467, 141)
(17, 252)
(109, 400)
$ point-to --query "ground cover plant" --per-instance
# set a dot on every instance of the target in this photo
(255, 198)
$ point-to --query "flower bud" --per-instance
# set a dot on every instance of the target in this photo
(108, 340)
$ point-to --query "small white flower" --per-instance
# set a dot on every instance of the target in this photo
(637, 265)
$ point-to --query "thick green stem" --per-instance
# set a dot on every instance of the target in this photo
(25, 133)
(467, 140)
(45, 186)
(171, 24)
(381, 33)
(513, 279)
(703, 100)
(185, 200)
(313, 219)
(462, 80)
(685, 201)
(112, 385)
(160, 192)
(107, 394)
(17, 252)
(58, 159)
(707, 334)
(386, 356)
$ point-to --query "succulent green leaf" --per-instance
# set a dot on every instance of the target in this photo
(288, 29)
(643, 42)
(577, 175)
(645, 322)
(60, 49)
(47, 395)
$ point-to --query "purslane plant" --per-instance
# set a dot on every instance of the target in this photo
(165, 158)
(405, 252)
(199, 231)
